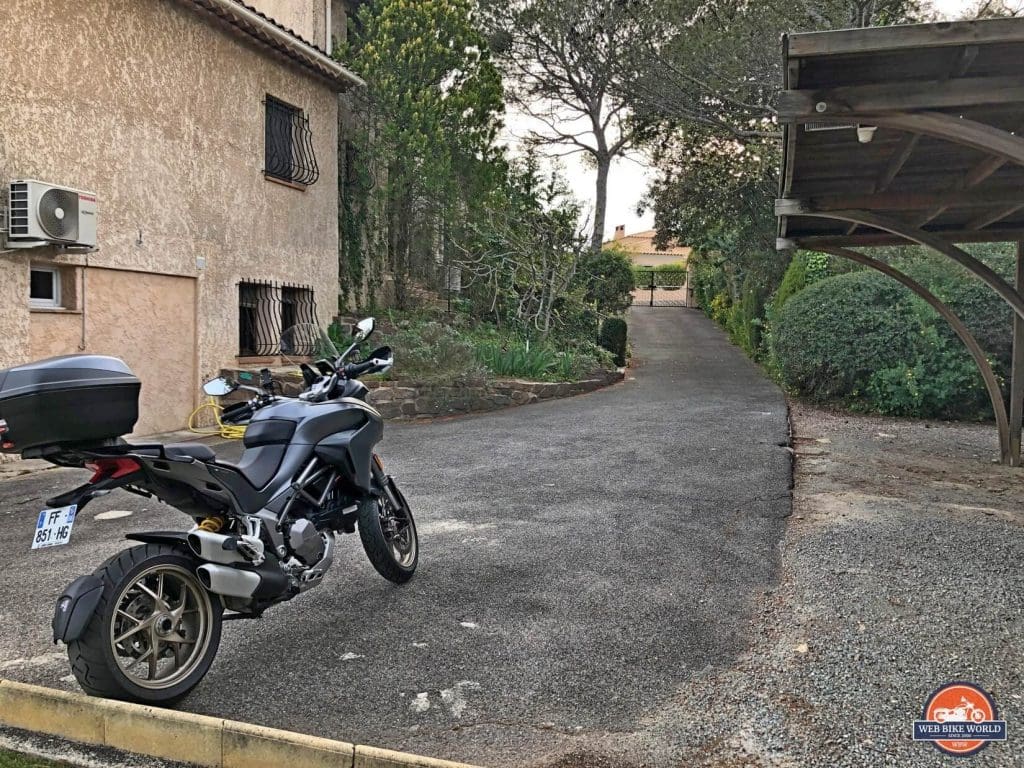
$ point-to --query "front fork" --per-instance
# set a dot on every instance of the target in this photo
(386, 485)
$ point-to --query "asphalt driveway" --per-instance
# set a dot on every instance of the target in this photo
(581, 559)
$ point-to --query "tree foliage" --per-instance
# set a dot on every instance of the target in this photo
(519, 263)
(561, 60)
(433, 108)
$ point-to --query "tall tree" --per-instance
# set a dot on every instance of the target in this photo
(560, 59)
(434, 103)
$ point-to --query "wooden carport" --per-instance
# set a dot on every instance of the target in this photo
(909, 135)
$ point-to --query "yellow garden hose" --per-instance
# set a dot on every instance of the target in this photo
(227, 431)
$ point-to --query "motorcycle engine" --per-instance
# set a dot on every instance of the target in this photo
(305, 542)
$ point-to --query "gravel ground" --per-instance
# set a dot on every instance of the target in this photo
(901, 571)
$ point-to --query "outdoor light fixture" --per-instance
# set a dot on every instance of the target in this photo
(865, 133)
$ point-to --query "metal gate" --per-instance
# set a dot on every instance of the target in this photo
(660, 288)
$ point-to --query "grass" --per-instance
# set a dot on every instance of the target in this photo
(10, 759)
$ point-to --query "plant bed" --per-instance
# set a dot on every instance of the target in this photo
(411, 399)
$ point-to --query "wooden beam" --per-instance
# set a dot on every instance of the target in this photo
(971, 179)
(873, 39)
(981, 270)
(982, 171)
(962, 61)
(904, 201)
(930, 216)
(968, 133)
(900, 96)
(982, 220)
(995, 394)
(868, 239)
(1017, 368)
(897, 161)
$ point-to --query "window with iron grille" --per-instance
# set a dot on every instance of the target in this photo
(288, 145)
(266, 312)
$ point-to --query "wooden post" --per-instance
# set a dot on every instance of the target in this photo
(1017, 369)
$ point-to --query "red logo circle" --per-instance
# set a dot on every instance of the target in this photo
(963, 703)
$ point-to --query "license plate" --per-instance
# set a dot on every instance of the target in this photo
(53, 527)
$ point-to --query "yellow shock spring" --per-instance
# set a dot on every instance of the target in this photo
(212, 524)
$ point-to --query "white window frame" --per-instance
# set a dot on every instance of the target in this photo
(55, 302)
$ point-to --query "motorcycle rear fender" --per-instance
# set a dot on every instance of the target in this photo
(83, 494)
(351, 452)
(173, 538)
(75, 608)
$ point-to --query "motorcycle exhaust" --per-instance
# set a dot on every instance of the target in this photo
(264, 583)
(230, 582)
(210, 547)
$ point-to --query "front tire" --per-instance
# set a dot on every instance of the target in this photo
(389, 538)
(155, 631)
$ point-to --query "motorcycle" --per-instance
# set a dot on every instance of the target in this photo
(146, 625)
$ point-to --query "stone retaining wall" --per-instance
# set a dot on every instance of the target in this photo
(397, 400)
(411, 400)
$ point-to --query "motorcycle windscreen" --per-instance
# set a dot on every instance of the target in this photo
(305, 342)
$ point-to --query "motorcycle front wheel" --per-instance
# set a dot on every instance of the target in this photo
(389, 538)
(155, 631)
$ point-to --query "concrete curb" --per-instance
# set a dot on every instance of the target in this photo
(184, 737)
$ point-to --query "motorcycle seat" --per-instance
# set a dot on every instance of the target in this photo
(196, 451)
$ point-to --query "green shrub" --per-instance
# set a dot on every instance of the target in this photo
(517, 359)
(431, 352)
(614, 335)
(942, 381)
(987, 316)
(665, 275)
(805, 268)
(744, 320)
(830, 338)
(607, 279)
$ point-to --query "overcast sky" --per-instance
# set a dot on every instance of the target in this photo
(629, 180)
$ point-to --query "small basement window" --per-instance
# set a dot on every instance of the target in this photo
(288, 145)
(44, 288)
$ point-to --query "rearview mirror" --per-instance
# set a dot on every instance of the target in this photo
(219, 387)
(363, 329)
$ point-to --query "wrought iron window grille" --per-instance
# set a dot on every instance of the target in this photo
(288, 144)
(266, 310)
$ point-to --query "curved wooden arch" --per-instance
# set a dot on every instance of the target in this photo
(981, 270)
(980, 359)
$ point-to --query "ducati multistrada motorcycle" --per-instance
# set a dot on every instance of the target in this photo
(146, 625)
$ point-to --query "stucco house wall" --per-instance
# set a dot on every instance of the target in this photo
(309, 20)
(157, 107)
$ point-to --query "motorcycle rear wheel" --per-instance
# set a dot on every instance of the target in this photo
(389, 538)
(155, 631)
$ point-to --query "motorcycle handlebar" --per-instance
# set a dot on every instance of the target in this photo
(355, 370)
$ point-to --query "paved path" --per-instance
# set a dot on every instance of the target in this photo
(581, 559)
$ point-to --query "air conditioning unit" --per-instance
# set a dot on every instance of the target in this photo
(39, 213)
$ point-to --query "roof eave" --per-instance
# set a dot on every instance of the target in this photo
(266, 32)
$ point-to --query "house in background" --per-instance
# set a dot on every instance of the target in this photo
(642, 252)
(208, 132)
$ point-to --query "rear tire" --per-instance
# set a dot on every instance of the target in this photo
(389, 538)
(154, 617)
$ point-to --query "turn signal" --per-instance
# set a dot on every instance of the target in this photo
(380, 463)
